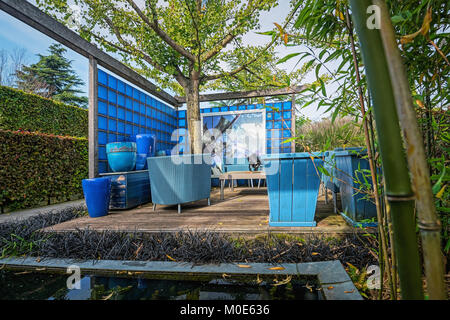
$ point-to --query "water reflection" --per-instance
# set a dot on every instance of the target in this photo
(42, 286)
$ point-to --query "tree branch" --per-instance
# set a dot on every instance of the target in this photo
(164, 36)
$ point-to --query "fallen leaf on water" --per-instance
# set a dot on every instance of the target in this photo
(220, 223)
(314, 253)
(276, 268)
(170, 257)
(349, 291)
(225, 275)
(282, 282)
(330, 288)
(40, 269)
(38, 259)
(244, 266)
(108, 296)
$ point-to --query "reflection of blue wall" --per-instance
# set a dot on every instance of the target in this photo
(278, 124)
(124, 111)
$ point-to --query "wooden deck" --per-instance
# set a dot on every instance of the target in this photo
(244, 211)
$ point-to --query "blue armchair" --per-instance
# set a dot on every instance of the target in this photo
(179, 179)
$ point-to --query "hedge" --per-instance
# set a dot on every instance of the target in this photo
(37, 169)
(24, 111)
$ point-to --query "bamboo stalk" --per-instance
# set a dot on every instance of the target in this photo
(370, 153)
(396, 175)
(428, 221)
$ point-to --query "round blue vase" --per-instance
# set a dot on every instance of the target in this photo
(121, 156)
(97, 194)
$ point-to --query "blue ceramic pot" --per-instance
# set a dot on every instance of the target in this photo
(121, 156)
(97, 194)
(146, 144)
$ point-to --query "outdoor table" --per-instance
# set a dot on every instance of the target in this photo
(234, 175)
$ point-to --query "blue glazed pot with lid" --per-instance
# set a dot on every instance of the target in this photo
(121, 156)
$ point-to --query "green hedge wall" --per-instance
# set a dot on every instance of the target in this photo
(38, 169)
(23, 111)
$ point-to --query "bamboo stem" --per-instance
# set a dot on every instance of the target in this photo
(396, 175)
(381, 229)
(428, 221)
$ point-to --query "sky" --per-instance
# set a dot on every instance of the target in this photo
(15, 34)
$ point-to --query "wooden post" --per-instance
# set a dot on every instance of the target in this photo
(93, 118)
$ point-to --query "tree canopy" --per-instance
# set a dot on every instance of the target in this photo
(53, 77)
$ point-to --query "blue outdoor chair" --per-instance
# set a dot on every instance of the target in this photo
(179, 179)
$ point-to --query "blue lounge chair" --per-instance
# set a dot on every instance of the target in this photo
(179, 179)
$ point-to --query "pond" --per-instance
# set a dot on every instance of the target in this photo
(32, 285)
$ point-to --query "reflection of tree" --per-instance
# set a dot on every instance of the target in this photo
(224, 124)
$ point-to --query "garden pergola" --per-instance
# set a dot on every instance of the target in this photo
(32, 16)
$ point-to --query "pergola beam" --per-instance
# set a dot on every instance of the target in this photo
(247, 94)
(32, 16)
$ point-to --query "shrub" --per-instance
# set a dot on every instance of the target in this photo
(25, 111)
(37, 168)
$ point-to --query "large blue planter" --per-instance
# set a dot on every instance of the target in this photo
(121, 156)
(97, 194)
(293, 182)
(354, 206)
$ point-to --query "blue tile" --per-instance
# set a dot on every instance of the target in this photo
(121, 127)
(269, 125)
(128, 129)
(277, 125)
(135, 118)
(120, 86)
(182, 122)
(287, 124)
(129, 90)
(269, 115)
(112, 111)
(136, 106)
(287, 105)
(136, 94)
(251, 107)
(243, 107)
(102, 153)
(121, 113)
(102, 139)
(112, 82)
(112, 97)
(277, 116)
(102, 109)
(112, 137)
(128, 103)
(121, 100)
(129, 116)
(112, 125)
(102, 123)
(102, 167)
(287, 115)
(286, 133)
(102, 93)
(215, 109)
(102, 77)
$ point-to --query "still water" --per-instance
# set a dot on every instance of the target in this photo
(26, 285)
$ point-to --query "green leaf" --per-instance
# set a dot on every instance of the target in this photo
(286, 58)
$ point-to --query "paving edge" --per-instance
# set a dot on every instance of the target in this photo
(334, 280)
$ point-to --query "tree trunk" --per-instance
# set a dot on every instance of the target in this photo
(192, 91)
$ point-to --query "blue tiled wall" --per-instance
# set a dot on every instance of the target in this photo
(124, 111)
(278, 124)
